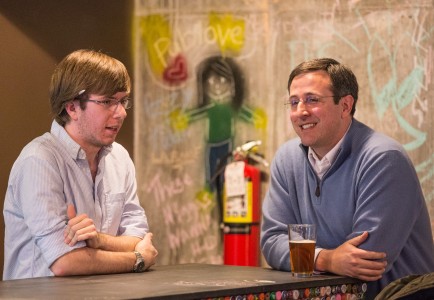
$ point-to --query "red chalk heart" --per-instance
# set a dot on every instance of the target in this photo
(176, 71)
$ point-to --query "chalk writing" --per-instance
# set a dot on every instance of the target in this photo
(227, 30)
(156, 34)
(164, 45)
(162, 191)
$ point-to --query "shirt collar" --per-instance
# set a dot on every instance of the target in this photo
(330, 157)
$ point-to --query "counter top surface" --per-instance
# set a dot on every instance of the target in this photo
(184, 281)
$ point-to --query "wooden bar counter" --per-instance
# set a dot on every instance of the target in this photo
(188, 281)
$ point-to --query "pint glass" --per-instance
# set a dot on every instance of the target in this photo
(302, 240)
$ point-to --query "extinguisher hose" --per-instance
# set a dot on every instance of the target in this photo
(220, 167)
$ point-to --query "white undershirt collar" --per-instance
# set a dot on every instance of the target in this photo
(321, 166)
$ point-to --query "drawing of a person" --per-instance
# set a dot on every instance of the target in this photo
(220, 87)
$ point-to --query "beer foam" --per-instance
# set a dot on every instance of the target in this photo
(302, 241)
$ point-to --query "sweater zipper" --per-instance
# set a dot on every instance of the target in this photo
(317, 190)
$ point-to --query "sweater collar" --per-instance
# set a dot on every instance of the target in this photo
(345, 145)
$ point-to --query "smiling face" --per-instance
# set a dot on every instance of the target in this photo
(322, 125)
(218, 88)
(95, 126)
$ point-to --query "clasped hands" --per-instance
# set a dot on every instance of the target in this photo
(82, 228)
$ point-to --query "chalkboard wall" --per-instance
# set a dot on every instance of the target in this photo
(388, 44)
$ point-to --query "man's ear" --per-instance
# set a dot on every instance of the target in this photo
(71, 109)
(347, 103)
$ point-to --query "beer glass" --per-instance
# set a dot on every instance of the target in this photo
(302, 240)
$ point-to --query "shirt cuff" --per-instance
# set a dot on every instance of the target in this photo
(317, 251)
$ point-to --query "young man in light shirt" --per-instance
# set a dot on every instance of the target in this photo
(71, 205)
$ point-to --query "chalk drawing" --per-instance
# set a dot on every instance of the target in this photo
(227, 31)
(387, 43)
(156, 35)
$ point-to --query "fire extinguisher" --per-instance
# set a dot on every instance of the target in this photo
(241, 207)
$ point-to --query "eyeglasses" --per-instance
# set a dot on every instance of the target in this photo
(310, 100)
(111, 104)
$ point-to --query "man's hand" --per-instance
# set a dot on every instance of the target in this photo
(80, 228)
(147, 250)
(349, 260)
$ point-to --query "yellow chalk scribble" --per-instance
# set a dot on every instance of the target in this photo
(228, 32)
(157, 36)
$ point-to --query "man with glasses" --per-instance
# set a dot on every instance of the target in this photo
(71, 206)
(358, 186)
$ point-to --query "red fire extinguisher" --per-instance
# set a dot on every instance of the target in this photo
(241, 207)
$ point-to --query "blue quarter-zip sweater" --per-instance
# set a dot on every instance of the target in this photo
(371, 186)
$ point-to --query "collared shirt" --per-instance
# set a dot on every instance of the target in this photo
(51, 172)
(321, 166)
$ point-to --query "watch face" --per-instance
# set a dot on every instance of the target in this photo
(140, 266)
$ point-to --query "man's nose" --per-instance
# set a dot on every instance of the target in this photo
(301, 108)
(120, 112)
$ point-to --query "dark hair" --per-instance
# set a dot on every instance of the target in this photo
(85, 72)
(225, 67)
(343, 80)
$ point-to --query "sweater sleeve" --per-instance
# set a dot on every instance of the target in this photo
(389, 203)
(277, 213)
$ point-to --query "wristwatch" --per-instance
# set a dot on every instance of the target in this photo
(139, 266)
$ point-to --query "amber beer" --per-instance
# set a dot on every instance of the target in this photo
(302, 241)
(302, 257)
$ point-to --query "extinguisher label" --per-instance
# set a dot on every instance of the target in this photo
(234, 179)
(239, 209)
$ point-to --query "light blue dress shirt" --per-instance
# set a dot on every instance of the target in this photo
(50, 173)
